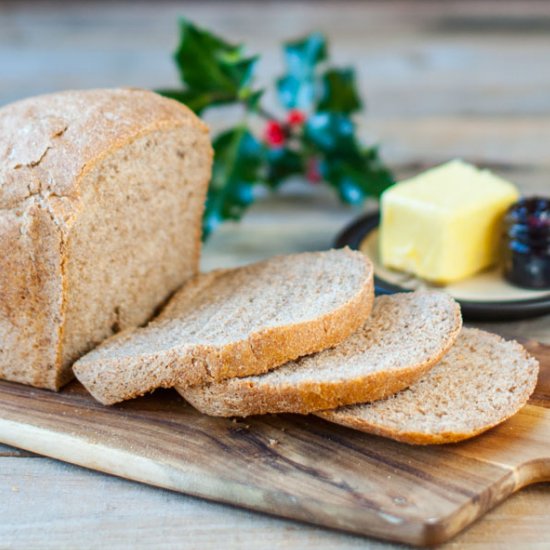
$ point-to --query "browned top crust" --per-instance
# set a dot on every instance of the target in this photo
(48, 143)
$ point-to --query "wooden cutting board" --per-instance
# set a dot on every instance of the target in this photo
(297, 467)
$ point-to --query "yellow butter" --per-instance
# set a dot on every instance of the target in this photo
(444, 224)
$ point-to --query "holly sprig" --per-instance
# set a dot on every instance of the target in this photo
(316, 136)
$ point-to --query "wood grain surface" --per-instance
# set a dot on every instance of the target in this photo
(292, 466)
(442, 79)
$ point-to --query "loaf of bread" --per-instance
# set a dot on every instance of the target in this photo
(236, 322)
(403, 338)
(481, 382)
(101, 199)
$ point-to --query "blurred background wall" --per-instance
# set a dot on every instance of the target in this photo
(471, 77)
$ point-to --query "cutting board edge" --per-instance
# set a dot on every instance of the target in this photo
(417, 532)
(421, 532)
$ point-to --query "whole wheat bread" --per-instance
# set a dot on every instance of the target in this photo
(481, 382)
(101, 200)
(404, 337)
(236, 322)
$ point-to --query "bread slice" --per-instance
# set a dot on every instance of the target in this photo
(404, 337)
(236, 322)
(481, 382)
(101, 200)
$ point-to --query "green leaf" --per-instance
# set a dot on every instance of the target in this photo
(198, 101)
(339, 92)
(208, 63)
(358, 177)
(299, 87)
(281, 164)
(295, 93)
(348, 180)
(251, 98)
(303, 55)
(353, 171)
(331, 133)
(237, 162)
(213, 71)
(380, 177)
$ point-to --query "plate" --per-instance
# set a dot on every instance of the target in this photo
(483, 297)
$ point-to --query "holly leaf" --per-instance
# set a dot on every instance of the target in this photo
(251, 98)
(353, 171)
(358, 177)
(213, 71)
(282, 163)
(304, 54)
(208, 63)
(339, 92)
(198, 101)
(298, 88)
(331, 133)
(238, 157)
(379, 176)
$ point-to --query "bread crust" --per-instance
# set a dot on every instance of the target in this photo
(31, 297)
(311, 396)
(48, 144)
(243, 397)
(348, 418)
(267, 349)
(196, 364)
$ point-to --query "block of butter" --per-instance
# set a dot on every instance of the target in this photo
(444, 224)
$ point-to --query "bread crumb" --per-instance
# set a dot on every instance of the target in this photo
(273, 442)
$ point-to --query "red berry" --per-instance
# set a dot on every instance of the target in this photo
(295, 117)
(274, 133)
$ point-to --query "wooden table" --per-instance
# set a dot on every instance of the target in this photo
(442, 80)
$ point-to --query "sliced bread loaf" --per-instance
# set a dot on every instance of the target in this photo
(482, 381)
(101, 200)
(404, 337)
(236, 322)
